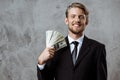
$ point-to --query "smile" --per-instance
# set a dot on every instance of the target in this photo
(76, 25)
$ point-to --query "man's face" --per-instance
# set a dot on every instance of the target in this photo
(76, 20)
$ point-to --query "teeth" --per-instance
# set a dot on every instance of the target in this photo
(76, 25)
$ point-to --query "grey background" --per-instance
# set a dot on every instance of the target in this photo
(22, 33)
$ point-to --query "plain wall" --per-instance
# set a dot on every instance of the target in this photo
(23, 24)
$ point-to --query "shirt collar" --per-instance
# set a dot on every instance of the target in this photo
(79, 40)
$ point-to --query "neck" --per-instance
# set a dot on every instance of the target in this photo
(75, 36)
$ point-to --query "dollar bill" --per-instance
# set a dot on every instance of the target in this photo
(55, 39)
(60, 45)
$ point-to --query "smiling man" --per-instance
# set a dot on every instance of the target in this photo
(76, 21)
(82, 59)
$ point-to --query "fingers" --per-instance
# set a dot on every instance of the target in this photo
(47, 54)
(51, 48)
(51, 52)
(51, 56)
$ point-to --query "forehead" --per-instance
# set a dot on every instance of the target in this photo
(75, 10)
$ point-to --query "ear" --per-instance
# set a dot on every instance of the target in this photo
(66, 21)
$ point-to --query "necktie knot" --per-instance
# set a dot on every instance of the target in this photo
(75, 43)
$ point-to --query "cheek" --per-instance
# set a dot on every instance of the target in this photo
(83, 21)
(70, 21)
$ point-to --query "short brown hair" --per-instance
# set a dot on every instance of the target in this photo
(80, 6)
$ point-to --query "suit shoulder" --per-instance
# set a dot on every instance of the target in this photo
(97, 43)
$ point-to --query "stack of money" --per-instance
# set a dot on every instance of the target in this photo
(55, 39)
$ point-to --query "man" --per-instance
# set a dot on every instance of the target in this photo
(90, 60)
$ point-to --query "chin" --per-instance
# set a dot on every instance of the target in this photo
(76, 32)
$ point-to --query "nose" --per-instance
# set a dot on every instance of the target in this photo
(77, 19)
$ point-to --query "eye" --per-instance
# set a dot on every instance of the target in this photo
(81, 17)
(72, 16)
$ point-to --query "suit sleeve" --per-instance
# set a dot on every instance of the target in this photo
(101, 64)
(47, 73)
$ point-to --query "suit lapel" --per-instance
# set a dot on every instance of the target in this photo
(82, 53)
(84, 50)
(69, 56)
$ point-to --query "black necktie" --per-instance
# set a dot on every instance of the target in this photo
(74, 52)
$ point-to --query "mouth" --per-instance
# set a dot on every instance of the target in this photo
(77, 24)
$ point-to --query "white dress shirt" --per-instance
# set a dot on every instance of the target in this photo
(79, 40)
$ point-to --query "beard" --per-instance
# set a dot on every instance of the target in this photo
(77, 31)
(74, 32)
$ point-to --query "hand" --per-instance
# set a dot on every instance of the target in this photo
(47, 54)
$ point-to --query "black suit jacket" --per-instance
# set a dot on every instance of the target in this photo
(90, 65)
